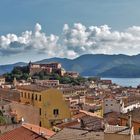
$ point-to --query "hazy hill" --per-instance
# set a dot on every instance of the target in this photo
(9, 67)
(98, 64)
(126, 70)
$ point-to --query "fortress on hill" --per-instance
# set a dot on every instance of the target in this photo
(53, 67)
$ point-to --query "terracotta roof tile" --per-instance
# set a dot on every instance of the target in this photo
(32, 87)
(79, 115)
(21, 133)
(68, 124)
(11, 95)
(47, 133)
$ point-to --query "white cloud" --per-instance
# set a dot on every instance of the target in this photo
(73, 41)
(102, 39)
(29, 41)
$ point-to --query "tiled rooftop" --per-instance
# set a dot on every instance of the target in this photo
(131, 103)
(79, 115)
(46, 132)
(112, 118)
(8, 94)
(4, 102)
(75, 134)
(89, 123)
(32, 87)
(21, 133)
(117, 129)
(134, 113)
(67, 124)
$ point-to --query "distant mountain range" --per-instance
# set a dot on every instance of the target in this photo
(94, 65)
(9, 67)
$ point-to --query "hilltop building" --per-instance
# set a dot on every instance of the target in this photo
(71, 74)
(49, 68)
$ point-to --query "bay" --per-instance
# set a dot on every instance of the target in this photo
(126, 82)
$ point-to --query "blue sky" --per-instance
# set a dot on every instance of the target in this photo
(18, 16)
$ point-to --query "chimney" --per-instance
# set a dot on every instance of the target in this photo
(129, 121)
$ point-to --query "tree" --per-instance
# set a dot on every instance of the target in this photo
(17, 71)
(2, 120)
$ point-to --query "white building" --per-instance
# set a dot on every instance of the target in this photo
(117, 105)
(111, 105)
(129, 106)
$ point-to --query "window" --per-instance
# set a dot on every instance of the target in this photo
(52, 123)
(134, 107)
(36, 97)
(28, 95)
(106, 105)
(39, 97)
(39, 111)
(25, 94)
(2, 107)
(40, 124)
(139, 130)
(111, 104)
(55, 112)
(21, 94)
(32, 96)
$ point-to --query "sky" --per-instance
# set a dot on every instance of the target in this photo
(39, 29)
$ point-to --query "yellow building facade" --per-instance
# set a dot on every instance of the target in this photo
(99, 112)
(50, 102)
